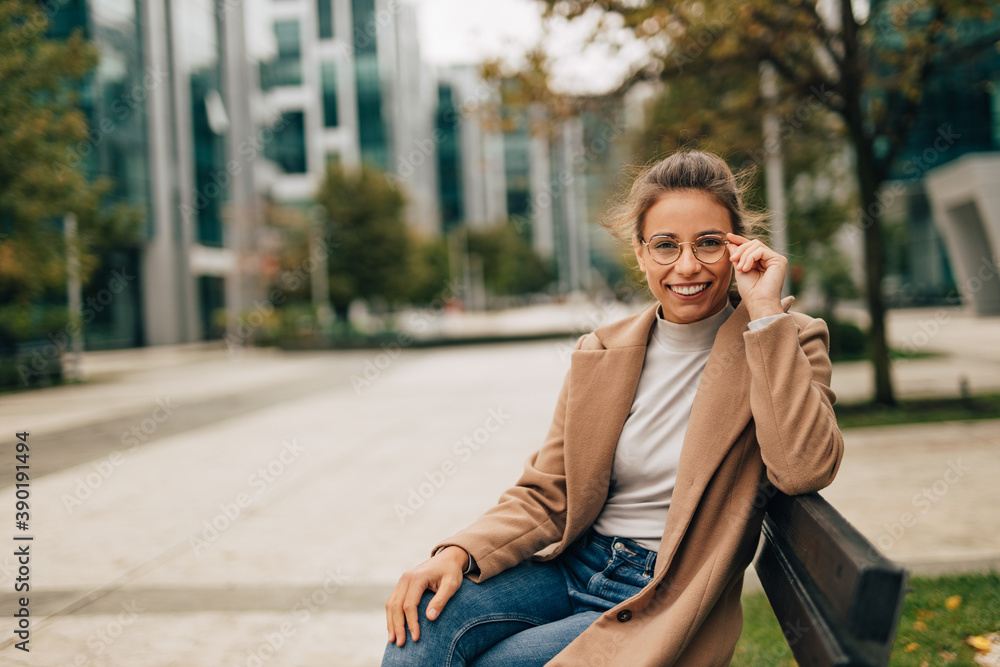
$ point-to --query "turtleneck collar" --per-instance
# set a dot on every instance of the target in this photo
(693, 337)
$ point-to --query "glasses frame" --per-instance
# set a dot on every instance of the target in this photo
(694, 249)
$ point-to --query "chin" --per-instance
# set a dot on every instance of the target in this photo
(687, 313)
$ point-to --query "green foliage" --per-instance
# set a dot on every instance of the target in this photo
(371, 252)
(510, 265)
(939, 614)
(40, 124)
(847, 341)
(430, 271)
(914, 411)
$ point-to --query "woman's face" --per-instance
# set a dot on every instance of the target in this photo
(686, 215)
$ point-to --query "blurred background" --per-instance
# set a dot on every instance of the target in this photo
(234, 229)
(323, 167)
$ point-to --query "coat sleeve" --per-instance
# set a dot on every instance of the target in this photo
(792, 403)
(530, 515)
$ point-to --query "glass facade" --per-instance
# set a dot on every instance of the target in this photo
(286, 68)
(957, 114)
(449, 160)
(198, 54)
(324, 13)
(371, 124)
(212, 306)
(288, 147)
(113, 99)
(517, 164)
(115, 317)
(328, 75)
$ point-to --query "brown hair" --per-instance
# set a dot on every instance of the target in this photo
(686, 169)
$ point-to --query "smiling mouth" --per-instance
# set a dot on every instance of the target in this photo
(688, 290)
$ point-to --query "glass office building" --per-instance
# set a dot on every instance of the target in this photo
(162, 129)
(449, 166)
(113, 99)
(340, 83)
(959, 115)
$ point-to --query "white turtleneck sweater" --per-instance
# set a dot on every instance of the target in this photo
(649, 447)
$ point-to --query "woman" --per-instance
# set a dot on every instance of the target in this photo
(626, 538)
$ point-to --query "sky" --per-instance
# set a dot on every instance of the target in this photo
(469, 31)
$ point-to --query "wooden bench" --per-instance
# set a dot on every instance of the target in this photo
(838, 600)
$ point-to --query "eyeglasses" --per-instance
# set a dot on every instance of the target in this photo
(667, 250)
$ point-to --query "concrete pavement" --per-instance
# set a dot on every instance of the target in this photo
(264, 520)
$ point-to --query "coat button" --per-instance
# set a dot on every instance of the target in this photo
(624, 615)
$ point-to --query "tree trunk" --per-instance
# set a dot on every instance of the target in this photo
(871, 223)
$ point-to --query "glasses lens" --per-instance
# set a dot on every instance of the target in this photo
(663, 250)
(710, 249)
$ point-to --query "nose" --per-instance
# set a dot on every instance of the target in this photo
(687, 264)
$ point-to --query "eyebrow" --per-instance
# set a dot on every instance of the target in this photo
(708, 232)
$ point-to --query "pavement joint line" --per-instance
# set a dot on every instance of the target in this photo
(107, 589)
(251, 598)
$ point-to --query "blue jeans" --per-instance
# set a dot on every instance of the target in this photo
(524, 616)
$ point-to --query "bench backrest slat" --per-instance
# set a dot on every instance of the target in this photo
(838, 598)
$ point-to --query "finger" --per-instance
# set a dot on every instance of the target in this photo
(389, 625)
(751, 260)
(397, 633)
(740, 251)
(410, 611)
(448, 587)
(390, 606)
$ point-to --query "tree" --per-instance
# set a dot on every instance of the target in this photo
(430, 271)
(40, 182)
(870, 70)
(370, 249)
(510, 264)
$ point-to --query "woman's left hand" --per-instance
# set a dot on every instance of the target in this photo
(760, 275)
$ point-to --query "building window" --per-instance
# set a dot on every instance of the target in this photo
(288, 148)
(328, 73)
(449, 159)
(324, 10)
(517, 164)
(212, 306)
(365, 26)
(371, 128)
(286, 68)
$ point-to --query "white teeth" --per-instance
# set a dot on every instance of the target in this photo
(689, 290)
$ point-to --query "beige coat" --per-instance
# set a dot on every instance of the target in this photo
(762, 415)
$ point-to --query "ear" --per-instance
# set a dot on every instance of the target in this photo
(639, 254)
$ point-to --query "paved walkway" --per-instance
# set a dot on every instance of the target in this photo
(195, 508)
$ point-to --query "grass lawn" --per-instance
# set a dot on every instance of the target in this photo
(984, 406)
(939, 613)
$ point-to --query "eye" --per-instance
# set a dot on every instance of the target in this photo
(710, 242)
(663, 244)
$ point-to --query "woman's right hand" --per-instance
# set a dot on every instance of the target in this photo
(441, 573)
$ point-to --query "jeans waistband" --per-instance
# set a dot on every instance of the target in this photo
(623, 547)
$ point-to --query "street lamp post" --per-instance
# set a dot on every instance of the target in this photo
(774, 166)
(74, 298)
